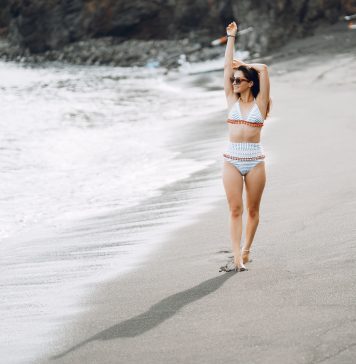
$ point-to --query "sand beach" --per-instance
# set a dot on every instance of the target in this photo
(296, 303)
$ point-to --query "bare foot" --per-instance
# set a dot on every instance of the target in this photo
(245, 255)
(240, 267)
(233, 265)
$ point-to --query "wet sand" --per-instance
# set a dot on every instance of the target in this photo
(296, 303)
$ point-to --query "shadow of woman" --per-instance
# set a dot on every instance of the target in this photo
(156, 314)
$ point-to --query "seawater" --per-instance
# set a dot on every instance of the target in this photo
(94, 161)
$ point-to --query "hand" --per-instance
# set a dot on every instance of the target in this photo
(231, 29)
(236, 63)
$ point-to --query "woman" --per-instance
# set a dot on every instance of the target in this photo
(247, 94)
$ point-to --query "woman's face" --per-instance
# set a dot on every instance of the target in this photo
(244, 85)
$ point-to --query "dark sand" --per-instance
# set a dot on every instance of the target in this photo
(297, 301)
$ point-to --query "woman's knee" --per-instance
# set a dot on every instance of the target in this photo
(236, 211)
(253, 212)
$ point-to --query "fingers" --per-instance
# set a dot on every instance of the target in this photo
(232, 25)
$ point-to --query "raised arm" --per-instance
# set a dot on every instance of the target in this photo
(231, 31)
(264, 95)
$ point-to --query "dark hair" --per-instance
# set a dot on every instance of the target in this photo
(252, 75)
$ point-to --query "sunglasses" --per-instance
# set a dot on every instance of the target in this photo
(238, 80)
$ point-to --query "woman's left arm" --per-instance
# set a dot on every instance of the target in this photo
(259, 67)
(262, 70)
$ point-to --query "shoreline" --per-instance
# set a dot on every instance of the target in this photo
(108, 51)
(296, 302)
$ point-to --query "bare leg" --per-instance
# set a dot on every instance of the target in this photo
(255, 181)
(233, 184)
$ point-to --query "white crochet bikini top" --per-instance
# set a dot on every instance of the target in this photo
(254, 117)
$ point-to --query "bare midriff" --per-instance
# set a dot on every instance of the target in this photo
(242, 133)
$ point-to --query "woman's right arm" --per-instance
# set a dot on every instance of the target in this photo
(229, 55)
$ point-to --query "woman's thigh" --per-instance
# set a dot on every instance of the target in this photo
(233, 184)
(255, 181)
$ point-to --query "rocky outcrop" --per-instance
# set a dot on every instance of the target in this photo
(276, 21)
(50, 26)
(4, 16)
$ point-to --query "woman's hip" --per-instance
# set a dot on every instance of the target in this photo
(244, 151)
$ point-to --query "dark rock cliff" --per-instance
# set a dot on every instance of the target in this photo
(49, 25)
